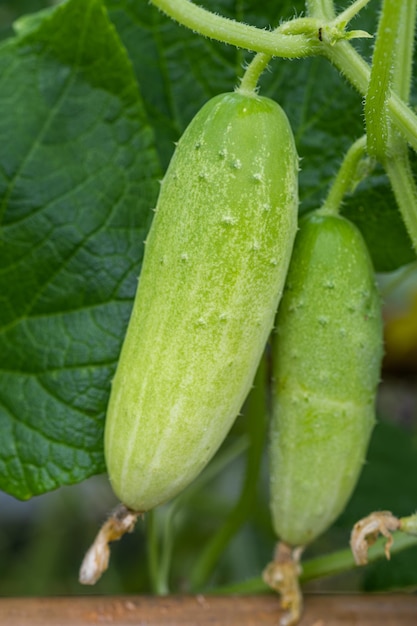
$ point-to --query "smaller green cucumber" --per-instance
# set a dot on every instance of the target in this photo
(214, 268)
(326, 362)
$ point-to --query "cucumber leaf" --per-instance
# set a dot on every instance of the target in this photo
(78, 172)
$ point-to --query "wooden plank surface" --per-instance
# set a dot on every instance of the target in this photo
(320, 610)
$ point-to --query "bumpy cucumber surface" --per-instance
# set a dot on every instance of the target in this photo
(327, 356)
(215, 263)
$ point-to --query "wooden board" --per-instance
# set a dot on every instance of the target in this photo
(320, 610)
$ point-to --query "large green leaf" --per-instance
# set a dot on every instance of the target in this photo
(77, 180)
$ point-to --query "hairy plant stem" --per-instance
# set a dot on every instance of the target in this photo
(229, 31)
(401, 79)
(347, 178)
(348, 14)
(396, 159)
(249, 81)
(322, 9)
(379, 88)
(403, 184)
(349, 62)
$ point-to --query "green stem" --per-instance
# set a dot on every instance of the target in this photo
(379, 88)
(348, 14)
(153, 551)
(305, 26)
(249, 82)
(322, 9)
(166, 553)
(397, 161)
(229, 31)
(404, 119)
(402, 75)
(347, 178)
(343, 561)
(349, 62)
(322, 566)
(409, 525)
(255, 412)
(403, 184)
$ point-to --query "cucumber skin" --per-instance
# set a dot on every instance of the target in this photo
(214, 268)
(327, 353)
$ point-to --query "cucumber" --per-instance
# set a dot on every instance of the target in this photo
(214, 267)
(327, 353)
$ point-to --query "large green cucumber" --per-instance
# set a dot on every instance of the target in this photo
(327, 356)
(215, 263)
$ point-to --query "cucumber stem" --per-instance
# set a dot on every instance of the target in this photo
(235, 33)
(396, 157)
(402, 73)
(249, 81)
(408, 525)
(348, 14)
(323, 9)
(356, 70)
(380, 81)
(348, 177)
(405, 190)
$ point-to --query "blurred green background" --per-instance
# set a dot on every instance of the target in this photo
(10, 10)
